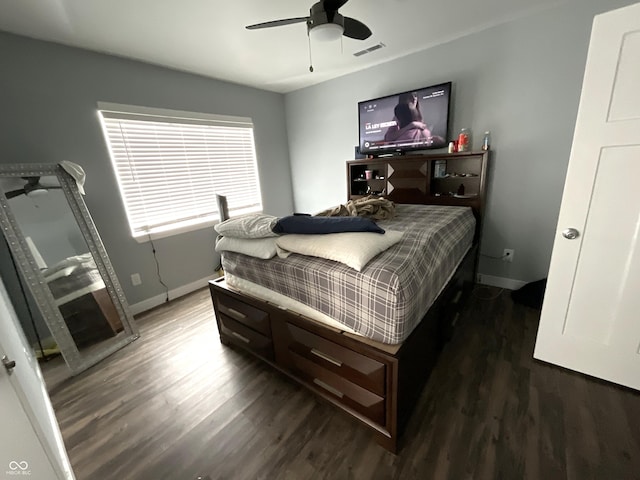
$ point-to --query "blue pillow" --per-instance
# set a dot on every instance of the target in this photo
(310, 225)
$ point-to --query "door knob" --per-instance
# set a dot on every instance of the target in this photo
(8, 364)
(570, 233)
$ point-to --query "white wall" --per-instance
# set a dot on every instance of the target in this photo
(521, 80)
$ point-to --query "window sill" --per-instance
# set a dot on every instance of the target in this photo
(185, 227)
(172, 231)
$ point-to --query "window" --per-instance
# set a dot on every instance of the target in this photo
(170, 165)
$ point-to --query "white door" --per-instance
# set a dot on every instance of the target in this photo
(591, 313)
(21, 451)
(30, 440)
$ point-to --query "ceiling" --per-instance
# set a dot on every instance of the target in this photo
(208, 37)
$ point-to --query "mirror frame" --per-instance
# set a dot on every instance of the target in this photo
(33, 277)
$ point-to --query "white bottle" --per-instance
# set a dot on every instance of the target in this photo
(486, 141)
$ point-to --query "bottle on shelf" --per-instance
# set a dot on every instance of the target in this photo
(464, 140)
(440, 169)
(486, 141)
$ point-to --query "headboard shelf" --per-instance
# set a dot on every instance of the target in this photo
(431, 179)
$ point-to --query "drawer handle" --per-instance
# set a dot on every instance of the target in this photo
(241, 337)
(326, 357)
(328, 388)
(235, 313)
(456, 299)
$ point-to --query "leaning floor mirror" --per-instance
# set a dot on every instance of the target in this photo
(64, 283)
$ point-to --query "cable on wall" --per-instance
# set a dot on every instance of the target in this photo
(155, 257)
(476, 292)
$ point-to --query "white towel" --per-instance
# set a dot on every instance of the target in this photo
(77, 172)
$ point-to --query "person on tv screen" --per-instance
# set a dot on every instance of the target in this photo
(409, 125)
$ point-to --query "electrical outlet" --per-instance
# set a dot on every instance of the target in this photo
(507, 255)
(136, 280)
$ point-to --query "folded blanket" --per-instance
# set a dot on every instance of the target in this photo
(256, 225)
(372, 206)
(318, 225)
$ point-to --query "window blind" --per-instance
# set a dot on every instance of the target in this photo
(170, 167)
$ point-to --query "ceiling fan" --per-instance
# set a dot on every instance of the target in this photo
(32, 187)
(324, 22)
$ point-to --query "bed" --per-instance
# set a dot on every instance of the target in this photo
(364, 341)
(381, 302)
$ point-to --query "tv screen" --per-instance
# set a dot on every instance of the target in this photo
(413, 120)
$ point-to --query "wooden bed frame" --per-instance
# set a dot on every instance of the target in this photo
(375, 383)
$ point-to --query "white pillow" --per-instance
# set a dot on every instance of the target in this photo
(257, 225)
(264, 248)
(354, 249)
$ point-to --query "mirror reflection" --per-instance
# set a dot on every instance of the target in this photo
(63, 257)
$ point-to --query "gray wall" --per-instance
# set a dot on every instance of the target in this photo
(521, 80)
(48, 96)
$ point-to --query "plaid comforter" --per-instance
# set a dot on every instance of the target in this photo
(390, 296)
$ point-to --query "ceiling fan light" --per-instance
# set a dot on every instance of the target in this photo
(37, 192)
(326, 32)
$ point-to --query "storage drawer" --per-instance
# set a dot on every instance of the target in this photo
(245, 337)
(346, 363)
(347, 393)
(244, 313)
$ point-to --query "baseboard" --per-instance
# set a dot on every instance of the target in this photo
(501, 282)
(152, 302)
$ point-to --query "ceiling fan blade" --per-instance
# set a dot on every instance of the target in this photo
(277, 23)
(355, 29)
(333, 5)
(14, 193)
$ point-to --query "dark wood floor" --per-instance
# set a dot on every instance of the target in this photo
(176, 404)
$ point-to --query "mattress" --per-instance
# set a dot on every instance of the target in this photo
(389, 297)
(285, 303)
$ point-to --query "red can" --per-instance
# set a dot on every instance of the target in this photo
(463, 140)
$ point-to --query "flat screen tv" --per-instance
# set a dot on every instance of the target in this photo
(413, 120)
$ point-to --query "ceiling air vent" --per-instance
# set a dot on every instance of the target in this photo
(377, 46)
